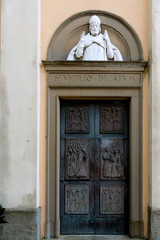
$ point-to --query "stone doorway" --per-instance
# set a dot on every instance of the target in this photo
(89, 81)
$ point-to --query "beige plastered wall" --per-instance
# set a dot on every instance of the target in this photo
(53, 14)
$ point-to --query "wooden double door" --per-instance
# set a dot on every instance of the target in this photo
(94, 167)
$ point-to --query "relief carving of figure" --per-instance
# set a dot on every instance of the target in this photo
(77, 119)
(107, 166)
(112, 200)
(112, 119)
(77, 199)
(112, 161)
(95, 46)
(77, 160)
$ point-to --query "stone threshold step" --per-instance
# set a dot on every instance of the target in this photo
(94, 237)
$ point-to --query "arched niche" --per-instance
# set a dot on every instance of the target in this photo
(121, 35)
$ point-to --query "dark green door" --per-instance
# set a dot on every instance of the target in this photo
(94, 167)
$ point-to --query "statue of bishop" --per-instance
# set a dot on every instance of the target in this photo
(95, 46)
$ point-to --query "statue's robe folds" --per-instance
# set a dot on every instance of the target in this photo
(94, 48)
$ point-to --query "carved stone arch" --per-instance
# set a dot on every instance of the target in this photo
(121, 34)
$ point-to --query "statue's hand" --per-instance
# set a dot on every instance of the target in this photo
(105, 36)
(82, 37)
(80, 46)
(82, 40)
(107, 39)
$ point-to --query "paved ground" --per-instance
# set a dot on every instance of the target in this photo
(98, 237)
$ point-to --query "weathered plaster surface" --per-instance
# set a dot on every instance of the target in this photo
(154, 219)
(154, 105)
(154, 130)
(18, 104)
(22, 225)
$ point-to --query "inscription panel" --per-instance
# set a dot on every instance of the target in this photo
(112, 118)
(111, 199)
(112, 158)
(76, 199)
(77, 118)
(77, 158)
(97, 80)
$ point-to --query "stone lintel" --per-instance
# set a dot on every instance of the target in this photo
(94, 74)
(95, 66)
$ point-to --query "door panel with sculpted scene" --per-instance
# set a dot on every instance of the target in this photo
(94, 167)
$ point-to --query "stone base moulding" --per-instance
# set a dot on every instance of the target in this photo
(95, 81)
(154, 223)
(22, 225)
(136, 229)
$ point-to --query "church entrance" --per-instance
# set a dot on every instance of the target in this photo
(94, 167)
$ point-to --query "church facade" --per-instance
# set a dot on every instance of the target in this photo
(79, 119)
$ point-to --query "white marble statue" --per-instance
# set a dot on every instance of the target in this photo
(95, 46)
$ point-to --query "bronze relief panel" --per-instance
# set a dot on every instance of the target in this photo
(112, 118)
(112, 158)
(76, 199)
(77, 118)
(77, 158)
(112, 199)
